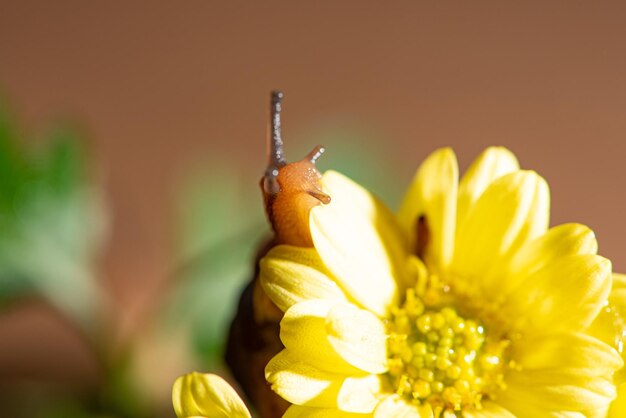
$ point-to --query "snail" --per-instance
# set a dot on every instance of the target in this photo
(290, 191)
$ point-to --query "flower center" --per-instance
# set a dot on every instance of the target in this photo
(438, 357)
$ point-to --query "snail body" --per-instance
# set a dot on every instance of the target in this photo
(290, 191)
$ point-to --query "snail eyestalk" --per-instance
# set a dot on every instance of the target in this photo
(276, 148)
(315, 153)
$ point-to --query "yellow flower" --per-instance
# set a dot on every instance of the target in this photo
(206, 396)
(464, 304)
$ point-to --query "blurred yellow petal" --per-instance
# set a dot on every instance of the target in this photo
(511, 211)
(292, 274)
(294, 379)
(206, 395)
(360, 243)
(304, 332)
(359, 336)
(566, 295)
(491, 164)
(433, 196)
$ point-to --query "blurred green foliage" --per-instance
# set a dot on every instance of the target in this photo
(52, 227)
(51, 220)
(220, 224)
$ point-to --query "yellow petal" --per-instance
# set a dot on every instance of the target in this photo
(610, 324)
(302, 384)
(568, 351)
(618, 407)
(489, 410)
(491, 164)
(555, 390)
(360, 243)
(359, 337)
(618, 294)
(596, 413)
(512, 210)
(206, 395)
(521, 408)
(292, 274)
(359, 394)
(296, 411)
(433, 195)
(566, 295)
(560, 241)
(396, 407)
(303, 331)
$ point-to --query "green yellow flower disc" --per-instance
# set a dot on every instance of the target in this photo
(438, 357)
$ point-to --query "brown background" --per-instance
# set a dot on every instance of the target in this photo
(162, 86)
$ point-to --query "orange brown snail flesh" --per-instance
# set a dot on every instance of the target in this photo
(290, 191)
